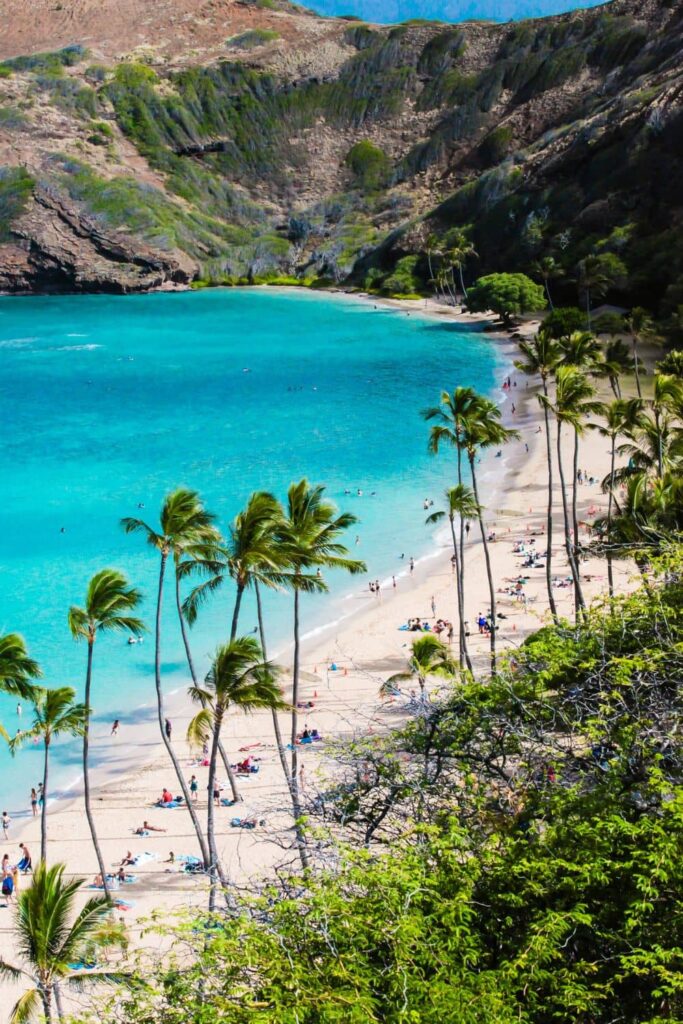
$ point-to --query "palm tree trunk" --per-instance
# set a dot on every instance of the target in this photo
(46, 996)
(162, 717)
(489, 571)
(547, 291)
(294, 779)
(636, 367)
(610, 502)
(86, 773)
(190, 664)
(575, 486)
(462, 281)
(464, 654)
(461, 574)
(236, 610)
(660, 455)
(549, 518)
(216, 869)
(578, 595)
(276, 722)
(588, 308)
(43, 810)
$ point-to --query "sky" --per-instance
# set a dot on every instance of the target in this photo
(388, 11)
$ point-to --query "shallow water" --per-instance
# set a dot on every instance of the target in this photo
(110, 402)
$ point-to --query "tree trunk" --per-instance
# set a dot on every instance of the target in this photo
(190, 664)
(578, 595)
(46, 996)
(295, 711)
(464, 654)
(660, 454)
(210, 816)
(43, 810)
(461, 575)
(276, 722)
(489, 571)
(549, 518)
(58, 1002)
(162, 717)
(575, 487)
(462, 282)
(86, 773)
(610, 502)
(236, 610)
(588, 308)
(636, 367)
(547, 291)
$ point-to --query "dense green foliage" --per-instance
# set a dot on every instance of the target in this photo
(507, 295)
(535, 868)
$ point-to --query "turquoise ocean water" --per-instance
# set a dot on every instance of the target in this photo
(109, 402)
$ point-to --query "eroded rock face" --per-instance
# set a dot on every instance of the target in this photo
(56, 248)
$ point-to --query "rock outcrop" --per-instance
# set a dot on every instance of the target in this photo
(56, 248)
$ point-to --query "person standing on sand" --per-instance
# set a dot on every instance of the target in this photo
(34, 802)
(168, 728)
(115, 727)
(412, 565)
(25, 864)
(194, 786)
(5, 824)
(433, 603)
(41, 795)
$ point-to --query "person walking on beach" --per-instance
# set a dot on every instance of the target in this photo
(41, 795)
(168, 728)
(34, 802)
(25, 864)
(115, 727)
(433, 603)
(5, 824)
(194, 787)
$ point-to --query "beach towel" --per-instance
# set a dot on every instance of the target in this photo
(226, 803)
(124, 904)
(188, 858)
(170, 805)
(145, 858)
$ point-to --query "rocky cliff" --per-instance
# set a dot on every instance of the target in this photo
(153, 142)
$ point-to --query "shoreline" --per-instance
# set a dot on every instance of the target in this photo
(143, 744)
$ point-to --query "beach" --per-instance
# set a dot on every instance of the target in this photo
(343, 666)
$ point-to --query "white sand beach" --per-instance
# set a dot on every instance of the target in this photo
(343, 668)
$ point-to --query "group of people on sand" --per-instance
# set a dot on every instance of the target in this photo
(9, 873)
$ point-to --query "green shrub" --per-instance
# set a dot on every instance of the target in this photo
(47, 63)
(369, 165)
(496, 145)
(16, 186)
(252, 38)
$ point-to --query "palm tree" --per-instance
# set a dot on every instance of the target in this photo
(459, 252)
(581, 349)
(548, 269)
(541, 357)
(17, 669)
(451, 415)
(596, 275)
(48, 946)
(184, 524)
(641, 327)
(54, 714)
(430, 657)
(238, 678)
(460, 503)
(667, 397)
(483, 430)
(620, 416)
(252, 557)
(616, 361)
(108, 600)
(310, 534)
(573, 402)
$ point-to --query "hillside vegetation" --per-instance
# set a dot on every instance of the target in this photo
(561, 137)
